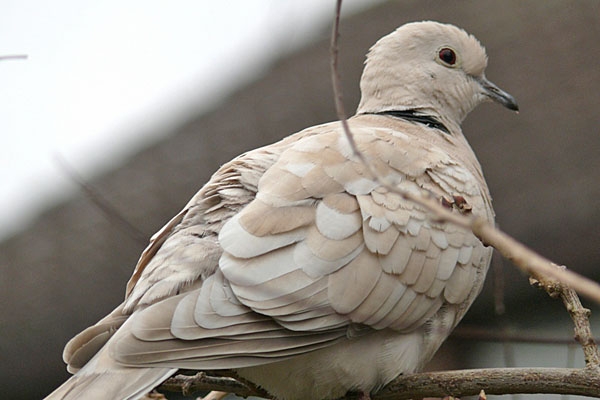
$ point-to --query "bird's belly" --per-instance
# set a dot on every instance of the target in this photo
(363, 364)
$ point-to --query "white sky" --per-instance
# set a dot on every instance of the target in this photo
(100, 74)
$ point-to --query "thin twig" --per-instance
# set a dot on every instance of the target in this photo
(580, 316)
(583, 332)
(498, 284)
(337, 90)
(462, 332)
(13, 57)
(102, 203)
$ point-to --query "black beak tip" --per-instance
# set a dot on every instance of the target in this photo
(512, 105)
(505, 99)
(498, 95)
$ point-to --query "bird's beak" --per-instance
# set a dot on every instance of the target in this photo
(498, 95)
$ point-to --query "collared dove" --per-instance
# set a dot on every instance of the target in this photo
(294, 267)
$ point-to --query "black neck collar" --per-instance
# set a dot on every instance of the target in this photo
(413, 116)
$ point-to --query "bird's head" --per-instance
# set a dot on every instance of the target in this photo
(433, 68)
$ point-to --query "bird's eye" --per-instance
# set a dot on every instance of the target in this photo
(448, 56)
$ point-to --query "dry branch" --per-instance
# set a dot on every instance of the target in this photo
(494, 381)
(580, 316)
(583, 382)
(201, 382)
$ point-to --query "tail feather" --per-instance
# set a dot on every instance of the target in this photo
(86, 344)
(102, 379)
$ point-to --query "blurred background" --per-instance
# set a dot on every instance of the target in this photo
(144, 101)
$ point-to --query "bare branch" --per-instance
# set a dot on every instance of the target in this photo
(214, 381)
(583, 331)
(529, 261)
(580, 316)
(494, 381)
(583, 382)
(201, 382)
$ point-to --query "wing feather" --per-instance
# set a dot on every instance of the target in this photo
(320, 250)
(348, 287)
(334, 224)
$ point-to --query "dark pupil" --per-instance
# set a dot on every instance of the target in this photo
(447, 56)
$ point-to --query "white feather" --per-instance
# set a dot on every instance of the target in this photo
(239, 243)
(335, 225)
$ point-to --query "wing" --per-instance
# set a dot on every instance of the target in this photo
(184, 252)
(321, 228)
(321, 253)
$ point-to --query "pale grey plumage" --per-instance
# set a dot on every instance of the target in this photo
(295, 267)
